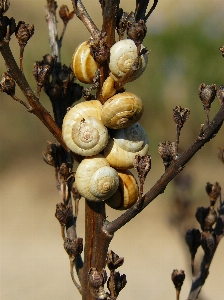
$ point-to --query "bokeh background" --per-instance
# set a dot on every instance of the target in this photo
(184, 38)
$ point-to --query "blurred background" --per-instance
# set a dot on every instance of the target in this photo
(184, 39)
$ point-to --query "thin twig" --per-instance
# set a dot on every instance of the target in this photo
(28, 107)
(79, 288)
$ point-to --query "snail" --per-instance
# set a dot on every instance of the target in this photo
(122, 56)
(83, 64)
(127, 192)
(124, 145)
(108, 89)
(95, 180)
(121, 110)
(82, 130)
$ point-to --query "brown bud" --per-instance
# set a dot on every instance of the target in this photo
(116, 283)
(113, 261)
(65, 15)
(4, 6)
(24, 32)
(207, 94)
(7, 84)
(180, 115)
(167, 151)
(7, 27)
(220, 94)
(208, 243)
(98, 47)
(41, 73)
(136, 31)
(96, 278)
(210, 219)
(193, 240)
(73, 247)
(63, 213)
(214, 191)
(178, 278)
(142, 165)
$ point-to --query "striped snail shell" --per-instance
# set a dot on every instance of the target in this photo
(121, 110)
(82, 130)
(127, 192)
(124, 145)
(83, 64)
(95, 180)
(122, 56)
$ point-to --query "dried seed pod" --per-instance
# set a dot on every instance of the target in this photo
(122, 110)
(95, 180)
(82, 130)
(125, 145)
(83, 64)
(122, 57)
(127, 192)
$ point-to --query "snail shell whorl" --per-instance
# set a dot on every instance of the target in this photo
(127, 192)
(122, 56)
(95, 179)
(82, 130)
(83, 64)
(108, 89)
(121, 110)
(125, 145)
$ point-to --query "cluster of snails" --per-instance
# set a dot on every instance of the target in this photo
(108, 135)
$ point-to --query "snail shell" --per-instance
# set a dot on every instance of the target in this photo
(95, 180)
(83, 64)
(82, 130)
(125, 145)
(122, 56)
(108, 89)
(121, 110)
(127, 192)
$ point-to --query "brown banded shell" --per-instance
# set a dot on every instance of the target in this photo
(121, 110)
(124, 145)
(83, 64)
(82, 130)
(127, 192)
(95, 180)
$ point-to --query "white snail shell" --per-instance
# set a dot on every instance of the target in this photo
(125, 145)
(122, 56)
(95, 180)
(82, 130)
(127, 192)
(121, 110)
(83, 64)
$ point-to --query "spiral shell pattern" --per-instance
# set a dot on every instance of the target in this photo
(95, 180)
(124, 145)
(82, 130)
(122, 110)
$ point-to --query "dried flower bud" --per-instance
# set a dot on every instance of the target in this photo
(207, 94)
(122, 19)
(7, 27)
(193, 240)
(222, 50)
(97, 279)
(220, 94)
(113, 261)
(214, 191)
(51, 155)
(201, 214)
(73, 247)
(167, 151)
(66, 77)
(65, 15)
(7, 84)
(208, 243)
(98, 47)
(221, 154)
(180, 115)
(210, 219)
(4, 6)
(63, 213)
(136, 31)
(24, 32)
(178, 279)
(40, 73)
(142, 165)
(116, 283)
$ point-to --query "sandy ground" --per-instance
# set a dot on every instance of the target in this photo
(35, 266)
